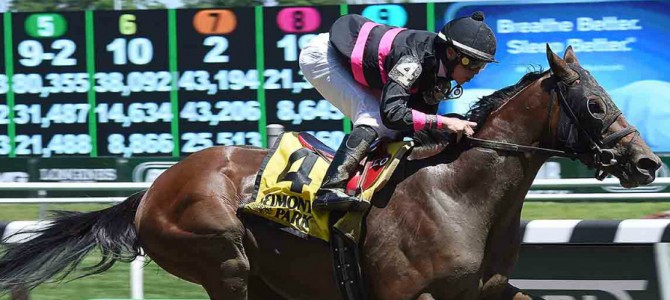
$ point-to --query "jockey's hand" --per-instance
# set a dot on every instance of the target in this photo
(457, 127)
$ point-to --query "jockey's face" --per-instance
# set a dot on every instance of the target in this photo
(462, 73)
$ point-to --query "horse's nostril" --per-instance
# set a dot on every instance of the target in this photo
(648, 164)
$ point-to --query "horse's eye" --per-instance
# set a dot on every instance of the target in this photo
(597, 108)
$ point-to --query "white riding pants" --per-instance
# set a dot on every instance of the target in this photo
(323, 69)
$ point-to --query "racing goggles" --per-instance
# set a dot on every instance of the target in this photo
(471, 63)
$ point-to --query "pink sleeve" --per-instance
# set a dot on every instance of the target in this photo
(419, 120)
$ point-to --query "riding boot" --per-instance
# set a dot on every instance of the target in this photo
(332, 195)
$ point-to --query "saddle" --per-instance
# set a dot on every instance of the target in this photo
(286, 185)
(292, 172)
(369, 170)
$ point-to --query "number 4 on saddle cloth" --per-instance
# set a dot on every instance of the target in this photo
(292, 172)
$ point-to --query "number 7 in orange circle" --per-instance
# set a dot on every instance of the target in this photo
(215, 21)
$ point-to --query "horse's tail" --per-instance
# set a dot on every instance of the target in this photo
(55, 250)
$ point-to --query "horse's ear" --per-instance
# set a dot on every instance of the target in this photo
(569, 56)
(560, 68)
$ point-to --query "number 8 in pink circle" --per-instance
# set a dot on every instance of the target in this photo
(298, 19)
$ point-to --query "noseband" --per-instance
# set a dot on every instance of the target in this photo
(600, 148)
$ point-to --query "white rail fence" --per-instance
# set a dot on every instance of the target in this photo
(538, 184)
(136, 270)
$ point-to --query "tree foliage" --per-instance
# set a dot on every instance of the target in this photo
(59, 5)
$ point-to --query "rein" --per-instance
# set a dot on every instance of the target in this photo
(496, 145)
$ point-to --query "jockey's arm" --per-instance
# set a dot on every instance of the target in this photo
(395, 110)
(397, 114)
(394, 107)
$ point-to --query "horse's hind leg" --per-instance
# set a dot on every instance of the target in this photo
(194, 233)
(217, 261)
(227, 276)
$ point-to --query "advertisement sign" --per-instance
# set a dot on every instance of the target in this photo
(145, 170)
(619, 42)
(74, 170)
(14, 171)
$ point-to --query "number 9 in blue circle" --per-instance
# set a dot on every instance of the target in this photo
(387, 14)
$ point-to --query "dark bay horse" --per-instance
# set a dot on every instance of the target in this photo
(450, 230)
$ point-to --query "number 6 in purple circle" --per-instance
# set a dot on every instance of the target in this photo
(298, 19)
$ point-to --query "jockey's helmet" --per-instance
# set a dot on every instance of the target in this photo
(470, 37)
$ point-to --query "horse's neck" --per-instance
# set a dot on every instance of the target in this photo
(523, 119)
(492, 179)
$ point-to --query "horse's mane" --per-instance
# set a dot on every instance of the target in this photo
(429, 143)
(481, 110)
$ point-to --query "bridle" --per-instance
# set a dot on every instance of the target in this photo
(599, 148)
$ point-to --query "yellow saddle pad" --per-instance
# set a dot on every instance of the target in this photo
(289, 178)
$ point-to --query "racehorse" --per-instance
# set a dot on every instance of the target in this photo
(449, 231)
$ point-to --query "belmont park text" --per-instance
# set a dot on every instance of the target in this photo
(292, 209)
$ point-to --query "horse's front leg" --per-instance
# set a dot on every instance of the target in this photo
(444, 267)
(498, 288)
(502, 253)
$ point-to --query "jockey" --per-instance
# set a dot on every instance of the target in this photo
(360, 62)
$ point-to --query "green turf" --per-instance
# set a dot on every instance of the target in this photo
(604, 211)
(115, 283)
(112, 284)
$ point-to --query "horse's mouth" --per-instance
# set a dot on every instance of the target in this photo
(633, 177)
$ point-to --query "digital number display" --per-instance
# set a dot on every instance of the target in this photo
(291, 99)
(398, 15)
(218, 81)
(133, 83)
(5, 145)
(167, 83)
(155, 83)
(50, 84)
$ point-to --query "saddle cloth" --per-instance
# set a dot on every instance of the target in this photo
(292, 172)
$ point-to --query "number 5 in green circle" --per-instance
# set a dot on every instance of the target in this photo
(45, 25)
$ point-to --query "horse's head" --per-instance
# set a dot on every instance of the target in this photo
(591, 125)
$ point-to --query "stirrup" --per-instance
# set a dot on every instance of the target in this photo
(332, 199)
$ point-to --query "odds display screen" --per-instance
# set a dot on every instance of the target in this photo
(291, 100)
(218, 87)
(5, 147)
(410, 16)
(167, 83)
(49, 84)
(132, 82)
